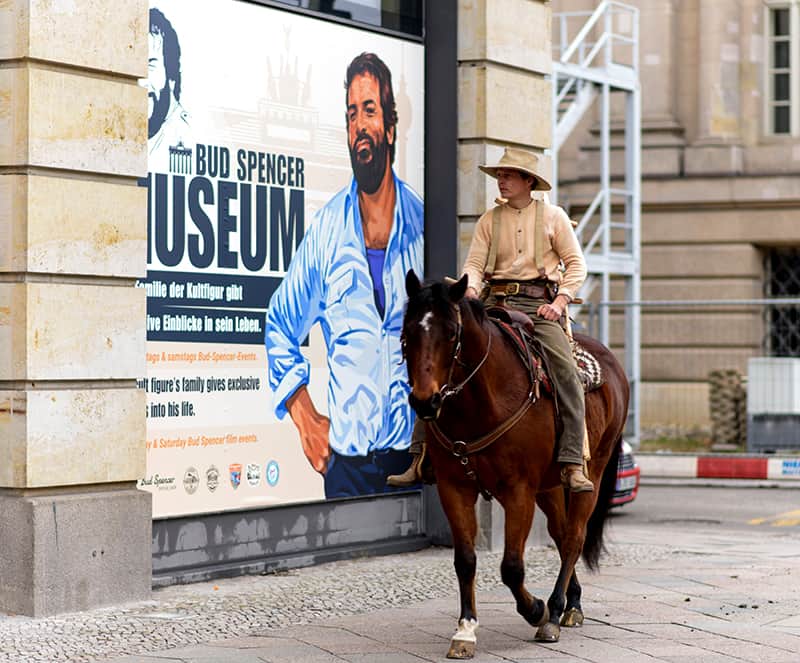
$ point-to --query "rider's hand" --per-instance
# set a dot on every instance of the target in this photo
(314, 429)
(554, 310)
(472, 293)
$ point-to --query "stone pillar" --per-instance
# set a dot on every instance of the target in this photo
(752, 90)
(717, 148)
(662, 134)
(75, 531)
(504, 54)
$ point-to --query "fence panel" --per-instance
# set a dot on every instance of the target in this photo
(696, 356)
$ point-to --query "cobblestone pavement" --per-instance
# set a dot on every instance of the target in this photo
(189, 614)
(681, 597)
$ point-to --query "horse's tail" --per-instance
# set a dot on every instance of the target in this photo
(593, 545)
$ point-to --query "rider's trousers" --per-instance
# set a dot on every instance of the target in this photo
(563, 373)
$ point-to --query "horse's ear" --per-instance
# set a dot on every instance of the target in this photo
(457, 290)
(412, 283)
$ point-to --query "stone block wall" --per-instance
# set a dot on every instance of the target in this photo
(717, 193)
(73, 143)
(504, 99)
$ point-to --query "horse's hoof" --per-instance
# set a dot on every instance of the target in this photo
(461, 649)
(548, 632)
(545, 616)
(572, 617)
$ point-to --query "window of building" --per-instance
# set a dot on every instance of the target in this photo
(782, 74)
(396, 16)
(782, 268)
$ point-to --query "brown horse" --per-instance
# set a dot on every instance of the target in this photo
(489, 433)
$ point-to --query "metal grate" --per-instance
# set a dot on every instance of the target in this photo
(782, 268)
(626, 462)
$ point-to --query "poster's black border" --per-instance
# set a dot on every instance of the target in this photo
(312, 13)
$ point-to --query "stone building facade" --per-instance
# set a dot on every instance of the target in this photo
(75, 531)
(720, 192)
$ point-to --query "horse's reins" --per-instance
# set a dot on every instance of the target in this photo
(461, 449)
(452, 391)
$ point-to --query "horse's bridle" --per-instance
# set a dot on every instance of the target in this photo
(446, 390)
(462, 449)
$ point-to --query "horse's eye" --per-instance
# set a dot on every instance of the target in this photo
(453, 336)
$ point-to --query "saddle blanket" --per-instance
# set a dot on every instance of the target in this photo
(589, 370)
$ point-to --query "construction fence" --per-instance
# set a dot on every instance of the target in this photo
(726, 370)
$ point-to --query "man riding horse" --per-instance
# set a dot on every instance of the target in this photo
(518, 250)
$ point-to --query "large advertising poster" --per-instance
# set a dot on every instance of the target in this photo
(285, 182)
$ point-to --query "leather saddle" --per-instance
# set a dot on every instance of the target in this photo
(520, 328)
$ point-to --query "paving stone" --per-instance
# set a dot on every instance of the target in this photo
(659, 648)
(754, 652)
(705, 657)
(600, 651)
(608, 632)
(251, 642)
(399, 657)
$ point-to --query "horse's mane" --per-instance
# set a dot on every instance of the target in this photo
(433, 296)
(476, 307)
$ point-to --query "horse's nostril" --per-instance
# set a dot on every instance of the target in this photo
(436, 400)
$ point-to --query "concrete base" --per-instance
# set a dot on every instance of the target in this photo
(215, 545)
(492, 522)
(67, 551)
(768, 433)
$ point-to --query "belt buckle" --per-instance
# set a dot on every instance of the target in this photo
(512, 289)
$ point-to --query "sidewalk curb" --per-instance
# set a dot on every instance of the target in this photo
(721, 483)
(719, 466)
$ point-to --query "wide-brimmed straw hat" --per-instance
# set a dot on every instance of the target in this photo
(525, 162)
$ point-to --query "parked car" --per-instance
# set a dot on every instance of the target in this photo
(627, 477)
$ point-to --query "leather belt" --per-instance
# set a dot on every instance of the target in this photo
(511, 288)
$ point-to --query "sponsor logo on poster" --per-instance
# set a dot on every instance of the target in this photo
(158, 482)
(272, 473)
(212, 478)
(253, 473)
(191, 479)
(236, 474)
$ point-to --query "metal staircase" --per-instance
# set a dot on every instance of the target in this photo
(596, 54)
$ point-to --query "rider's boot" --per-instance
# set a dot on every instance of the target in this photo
(578, 483)
(573, 477)
(413, 475)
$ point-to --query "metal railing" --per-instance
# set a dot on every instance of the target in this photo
(602, 17)
(597, 53)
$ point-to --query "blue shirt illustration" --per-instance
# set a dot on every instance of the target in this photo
(348, 275)
(329, 281)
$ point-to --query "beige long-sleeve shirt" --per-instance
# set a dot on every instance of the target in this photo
(515, 249)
